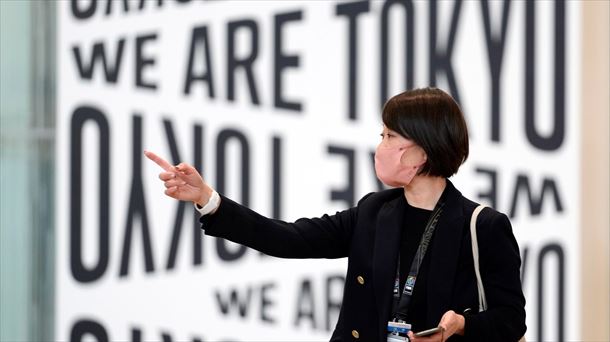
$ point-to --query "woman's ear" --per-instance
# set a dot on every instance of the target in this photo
(423, 160)
(413, 156)
(422, 156)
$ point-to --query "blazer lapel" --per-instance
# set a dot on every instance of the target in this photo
(444, 255)
(385, 254)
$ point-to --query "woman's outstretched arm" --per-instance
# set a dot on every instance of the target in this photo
(328, 236)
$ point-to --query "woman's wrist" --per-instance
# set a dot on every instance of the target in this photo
(208, 205)
(461, 325)
(204, 198)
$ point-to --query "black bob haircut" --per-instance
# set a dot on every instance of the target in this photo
(433, 120)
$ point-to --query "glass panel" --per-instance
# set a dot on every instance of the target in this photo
(27, 82)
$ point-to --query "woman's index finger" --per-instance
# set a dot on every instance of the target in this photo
(159, 161)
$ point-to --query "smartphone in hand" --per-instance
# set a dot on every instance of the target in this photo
(428, 332)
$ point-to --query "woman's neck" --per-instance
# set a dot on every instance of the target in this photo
(424, 191)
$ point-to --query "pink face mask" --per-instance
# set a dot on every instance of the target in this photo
(391, 169)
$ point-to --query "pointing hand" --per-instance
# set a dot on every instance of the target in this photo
(182, 182)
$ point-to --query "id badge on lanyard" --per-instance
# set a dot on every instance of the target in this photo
(398, 329)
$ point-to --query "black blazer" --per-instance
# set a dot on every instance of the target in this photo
(369, 235)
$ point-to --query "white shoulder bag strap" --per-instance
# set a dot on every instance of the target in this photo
(475, 257)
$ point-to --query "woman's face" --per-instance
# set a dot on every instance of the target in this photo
(413, 154)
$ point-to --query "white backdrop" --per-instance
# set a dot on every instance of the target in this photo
(283, 132)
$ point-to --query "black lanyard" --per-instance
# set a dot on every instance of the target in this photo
(401, 303)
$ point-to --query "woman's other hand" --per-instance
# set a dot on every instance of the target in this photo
(451, 323)
(182, 182)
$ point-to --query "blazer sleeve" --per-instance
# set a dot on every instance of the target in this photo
(323, 237)
(504, 319)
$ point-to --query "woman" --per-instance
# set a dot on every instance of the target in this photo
(409, 250)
